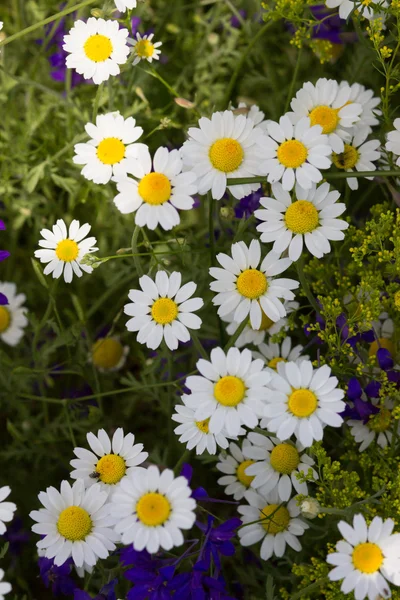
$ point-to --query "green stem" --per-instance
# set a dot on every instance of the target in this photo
(310, 588)
(294, 79)
(58, 15)
(198, 345)
(97, 102)
(235, 336)
(154, 74)
(185, 457)
(336, 175)
(305, 286)
(211, 228)
(136, 260)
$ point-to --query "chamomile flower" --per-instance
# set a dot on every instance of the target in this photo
(230, 390)
(268, 520)
(309, 218)
(12, 315)
(234, 464)
(276, 465)
(224, 146)
(5, 587)
(112, 149)
(96, 48)
(108, 354)
(379, 427)
(359, 155)
(248, 287)
(63, 250)
(369, 102)
(393, 141)
(383, 329)
(7, 509)
(196, 434)
(158, 190)
(152, 508)
(367, 558)
(75, 522)
(363, 8)
(328, 105)
(302, 401)
(274, 353)
(296, 153)
(145, 49)
(110, 461)
(163, 310)
(254, 113)
(122, 5)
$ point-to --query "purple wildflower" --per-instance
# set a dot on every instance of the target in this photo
(58, 578)
(58, 58)
(3, 253)
(235, 21)
(361, 409)
(247, 205)
(217, 540)
(16, 536)
(3, 299)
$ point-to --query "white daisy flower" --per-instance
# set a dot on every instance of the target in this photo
(152, 508)
(246, 289)
(75, 522)
(63, 250)
(269, 521)
(276, 465)
(363, 8)
(110, 460)
(7, 509)
(310, 218)
(12, 315)
(5, 587)
(302, 401)
(225, 146)
(393, 141)
(112, 149)
(96, 48)
(367, 558)
(254, 113)
(230, 390)
(234, 465)
(327, 104)
(357, 154)
(196, 434)
(122, 5)
(163, 310)
(369, 102)
(267, 327)
(296, 153)
(145, 49)
(380, 427)
(156, 194)
(273, 353)
(108, 354)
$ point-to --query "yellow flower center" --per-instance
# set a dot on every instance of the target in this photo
(284, 458)
(144, 49)
(67, 250)
(110, 151)
(229, 390)
(274, 519)
(155, 188)
(273, 362)
(106, 353)
(241, 473)
(252, 284)
(111, 468)
(367, 557)
(164, 311)
(346, 159)
(5, 319)
(203, 425)
(292, 154)
(98, 47)
(301, 217)
(153, 509)
(381, 421)
(226, 155)
(325, 116)
(302, 403)
(266, 322)
(74, 523)
(397, 300)
(382, 343)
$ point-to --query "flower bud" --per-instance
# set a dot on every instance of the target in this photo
(310, 508)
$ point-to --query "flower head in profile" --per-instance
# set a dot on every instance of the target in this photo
(108, 354)
(196, 434)
(358, 155)
(378, 426)
(370, 113)
(233, 465)
(145, 49)
(12, 314)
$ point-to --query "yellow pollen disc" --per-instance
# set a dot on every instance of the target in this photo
(292, 154)
(155, 188)
(226, 155)
(229, 390)
(67, 250)
(5, 319)
(144, 49)
(273, 363)
(325, 116)
(381, 421)
(153, 509)
(284, 458)
(74, 523)
(164, 311)
(346, 159)
(98, 48)
(274, 519)
(252, 284)
(302, 403)
(241, 473)
(106, 353)
(203, 425)
(382, 343)
(397, 300)
(301, 217)
(110, 151)
(367, 557)
(111, 468)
